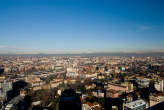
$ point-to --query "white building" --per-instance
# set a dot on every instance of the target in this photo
(86, 107)
(99, 93)
(94, 75)
(71, 72)
(143, 82)
(159, 85)
(9, 107)
(135, 105)
(5, 86)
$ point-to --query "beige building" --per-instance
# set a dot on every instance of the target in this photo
(155, 99)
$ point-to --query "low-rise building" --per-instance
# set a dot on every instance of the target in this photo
(135, 105)
(112, 93)
(159, 85)
(155, 99)
(117, 87)
(143, 82)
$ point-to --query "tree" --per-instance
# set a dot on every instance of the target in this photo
(82, 89)
(101, 101)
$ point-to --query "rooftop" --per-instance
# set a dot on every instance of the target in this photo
(135, 104)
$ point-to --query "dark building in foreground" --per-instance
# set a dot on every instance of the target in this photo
(1, 70)
(69, 100)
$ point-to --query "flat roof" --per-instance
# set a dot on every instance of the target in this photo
(135, 104)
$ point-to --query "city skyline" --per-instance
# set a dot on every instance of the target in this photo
(84, 26)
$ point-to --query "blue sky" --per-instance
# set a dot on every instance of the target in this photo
(81, 26)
